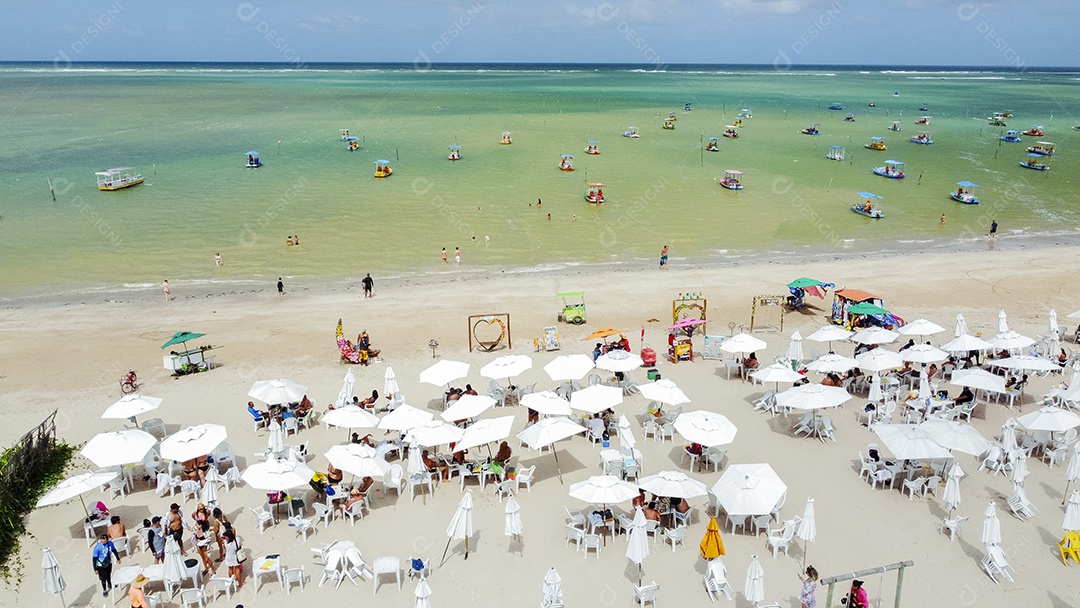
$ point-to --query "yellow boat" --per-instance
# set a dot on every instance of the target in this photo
(382, 168)
(118, 178)
(506, 141)
(876, 143)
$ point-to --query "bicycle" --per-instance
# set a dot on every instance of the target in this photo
(129, 383)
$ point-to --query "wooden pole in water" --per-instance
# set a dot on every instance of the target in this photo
(51, 189)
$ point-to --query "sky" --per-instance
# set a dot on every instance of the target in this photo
(1004, 33)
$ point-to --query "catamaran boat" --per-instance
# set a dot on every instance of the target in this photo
(118, 178)
(997, 120)
(745, 113)
(923, 120)
(850, 117)
(352, 143)
(731, 132)
(896, 126)
(669, 125)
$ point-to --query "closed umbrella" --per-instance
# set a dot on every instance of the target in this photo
(346, 394)
(951, 496)
(569, 367)
(390, 384)
(966, 343)
(879, 360)
(485, 432)
(1072, 513)
(192, 442)
(548, 403)
(665, 391)
(277, 391)
(546, 432)
(1072, 472)
(807, 529)
(754, 589)
(52, 581)
(991, 530)
(118, 448)
(596, 398)
(626, 435)
(461, 524)
(712, 546)
(961, 325)
(673, 483)
(435, 433)
(637, 548)
(956, 436)
(552, 588)
(444, 372)
(876, 394)
(874, 335)
(174, 569)
(832, 364)
(1008, 435)
(76, 486)
(130, 406)
(467, 406)
(749, 489)
(794, 351)
(1019, 467)
(275, 441)
(512, 526)
(405, 417)
(619, 361)
(422, 594)
(742, 343)
(275, 475)
(920, 327)
(209, 492)
(978, 379)
(506, 366)
(909, 442)
(706, 428)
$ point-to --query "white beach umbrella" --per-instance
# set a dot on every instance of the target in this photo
(422, 594)
(807, 529)
(665, 391)
(924, 353)
(51, 580)
(673, 483)
(512, 526)
(444, 372)
(414, 464)
(920, 327)
(130, 406)
(1003, 322)
(626, 434)
(637, 548)
(876, 394)
(742, 343)
(484, 432)
(749, 489)
(390, 383)
(277, 391)
(879, 360)
(405, 417)
(829, 333)
(345, 395)
(275, 439)
(434, 433)
(1073, 315)
(909, 442)
(357, 459)
(991, 530)
(1071, 395)
(965, 343)
(619, 361)
(1027, 363)
(777, 373)
(596, 398)
(794, 351)
(461, 524)
(76, 486)
(706, 428)
(548, 403)
(961, 325)
(467, 406)
(506, 366)
(546, 432)
(1072, 513)
(1008, 435)
(569, 367)
(812, 397)
(209, 493)
(832, 364)
(978, 379)
(1052, 419)
(603, 490)
(1052, 321)
(552, 587)
(1072, 471)
(351, 417)
(117, 448)
(924, 386)
(276, 475)
(754, 589)
(174, 569)
(192, 442)
(1010, 340)
(874, 335)
(951, 496)
(955, 436)
(1019, 467)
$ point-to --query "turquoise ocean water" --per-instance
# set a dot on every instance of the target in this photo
(186, 128)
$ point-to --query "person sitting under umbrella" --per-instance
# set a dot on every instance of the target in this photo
(503, 455)
(750, 363)
(651, 512)
(333, 475)
(441, 467)
(365, 440)
(965, 397)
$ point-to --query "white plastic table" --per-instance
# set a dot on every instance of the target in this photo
(385, 565)
(264, 566)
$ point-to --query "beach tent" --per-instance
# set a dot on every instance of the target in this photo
(854, 306)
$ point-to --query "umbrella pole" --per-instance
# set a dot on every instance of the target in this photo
(85, 510)
(558, 467)
(445, 550)
(466, 546)
(1065, 496)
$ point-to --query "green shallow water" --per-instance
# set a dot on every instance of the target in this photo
(186, 129)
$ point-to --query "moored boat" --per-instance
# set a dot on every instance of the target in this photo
(731, 132)
(118, 178)
(713, 145)
(1012, 137)
(592, 147)
(732, 179)
(455, 152)
(1034, 131)
(506, 140)
(876, 143)
(893, 169)
(866, 206)
(595, 193)
(567, 162)
(631, 132)
(1042, 148)
(965, 193)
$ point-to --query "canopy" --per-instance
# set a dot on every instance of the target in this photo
(603, 332)
(966, 343)
(749, 489)
(278, 391)
(909, 442)
(485, 431)
(967, 184)
(130, 406)
(675, 484)
(546, 402)
(831, 364)
(742, 343)
(444, 372)
(76, 486)
(706, 428)
(978, 379)
(619, 361)
(828, 333)
(870, 194)
(879, 360)
(777, 372)
(549, 430)
(404, 418)
(1052, 419)
(812, 397)
(182, 336)
(596, 398)
(435, 433)
(665, 391)
(506, 366)
(118, 447)
(924, 353)
(357, 459)
(804, 282)
(956, 436)
(192, 442)
(866, 308)
(1027, 363)
(569, 367)
(872, 335)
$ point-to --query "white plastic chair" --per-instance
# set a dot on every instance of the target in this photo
(412, 571)
(293, 575)
(716, 580)
(686, 453)
(649, 427)
(630, 471)
(303, 526)
(779, 505)
(714, 504)
(994, 563)
(332, 568)
(323, 512)
(913, 487)
(591, 541)
(1020, 505)
(419, 480)
(355, 567)
(781, 539)
(714, 456)
(192, 597)
(354, 511)
(122, 544)
(231, 478)
(953, 526)
(646, 594)
(932, 484)
(1055, 456)
(653, 528)
(675, 535)
(503, 489)
(222, 584)
(667, 431)
(189, 489)
(575, 517)
(263, 518)
(574, 535)
(290, 425)
(394, 479)
(168, 484)
(761, 523)
(525, 477)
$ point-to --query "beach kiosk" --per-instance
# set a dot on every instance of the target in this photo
(573, 310)
(854, 308)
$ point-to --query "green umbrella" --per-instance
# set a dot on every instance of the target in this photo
(803, 282)
(181, 337)
(865, 308)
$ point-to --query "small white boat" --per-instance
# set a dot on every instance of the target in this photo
(732, 179)
(631, 132)
(893, 169)
(118, 178)
(965, 193)
(835, 153)
(1042, 148)
(923, 138)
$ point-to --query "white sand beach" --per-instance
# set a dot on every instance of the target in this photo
(69, 357)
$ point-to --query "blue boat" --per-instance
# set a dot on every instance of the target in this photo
(1033, 163)
(922, 138)
(253, 161)
(866, 206)
(893, 169)
(812, 129)
(965, 193)
(836, 106)
(1013, 137)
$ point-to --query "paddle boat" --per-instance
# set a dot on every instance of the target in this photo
(253, 161)
(923, 108)
(732, 179)
(1076, 127)
(871, 105)
(455, 152)
(997, 120)
(671, 116)
(922, 138)
(669, 125)
(344, 134)
(631, 132)
(1042, 148)
(593, 147)
(1034, 131)
(595, 193)
(893, 169)
(811, 129)
(686, 107)
(567, 162)
(1012, 137)
(118, 178)
(730, 132)
(506, 141)
(352, 143)
(965, 193)
(923, 120)
(713, 145)
(850, 117)
(1005, 114)
(745, 113)
(1033, 163)
(836, 106)
(835, 153)
(738, 123)
(895, 126)
(876, 143)
(382, 168)
(866, 206)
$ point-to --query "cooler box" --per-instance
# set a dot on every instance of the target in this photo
(653, 374)
(648, 356)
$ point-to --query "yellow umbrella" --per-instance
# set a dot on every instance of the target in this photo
(603, 332)
(712, 546)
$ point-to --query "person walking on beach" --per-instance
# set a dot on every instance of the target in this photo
(993, 229)
(103, 553)
(217, 259)
(444, 255)
(168, 292)
(808, 597)
(663, 257)
(457, 255)
(280, 287)
(369, 283)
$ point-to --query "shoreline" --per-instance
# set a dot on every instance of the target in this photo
(200, 289)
